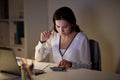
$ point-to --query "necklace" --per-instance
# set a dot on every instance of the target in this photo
(62, 54)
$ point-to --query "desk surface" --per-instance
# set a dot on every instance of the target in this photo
(71, 74)
(79, 74)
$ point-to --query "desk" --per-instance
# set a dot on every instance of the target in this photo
(73, 74)
(78, 74)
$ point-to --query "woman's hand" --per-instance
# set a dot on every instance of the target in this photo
(65, 63)
(44, 36)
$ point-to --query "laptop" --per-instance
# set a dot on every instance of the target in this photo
(8, 62)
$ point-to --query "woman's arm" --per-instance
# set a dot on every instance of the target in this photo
(42, 49)
(85, 61)
(84, 55)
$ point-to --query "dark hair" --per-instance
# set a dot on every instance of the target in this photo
(65, 13)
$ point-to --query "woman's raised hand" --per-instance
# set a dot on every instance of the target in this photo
(44, 36)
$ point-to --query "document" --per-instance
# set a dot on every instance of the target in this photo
(40, 65)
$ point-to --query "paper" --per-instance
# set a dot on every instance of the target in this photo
(40, 65)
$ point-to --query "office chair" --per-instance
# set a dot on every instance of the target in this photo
(95, 55)
(118, 66)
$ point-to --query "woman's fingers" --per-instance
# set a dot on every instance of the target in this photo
(45, 36)
(64, 63)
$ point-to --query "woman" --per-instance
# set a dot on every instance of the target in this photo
(68, 44)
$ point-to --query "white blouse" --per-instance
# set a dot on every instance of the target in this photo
(78, 52)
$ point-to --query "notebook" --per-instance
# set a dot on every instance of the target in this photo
(8, 62)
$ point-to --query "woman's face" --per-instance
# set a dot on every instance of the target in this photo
(63, 27)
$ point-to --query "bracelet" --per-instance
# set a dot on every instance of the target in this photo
(42, 42)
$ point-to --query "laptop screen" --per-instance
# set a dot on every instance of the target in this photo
(8, 62)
